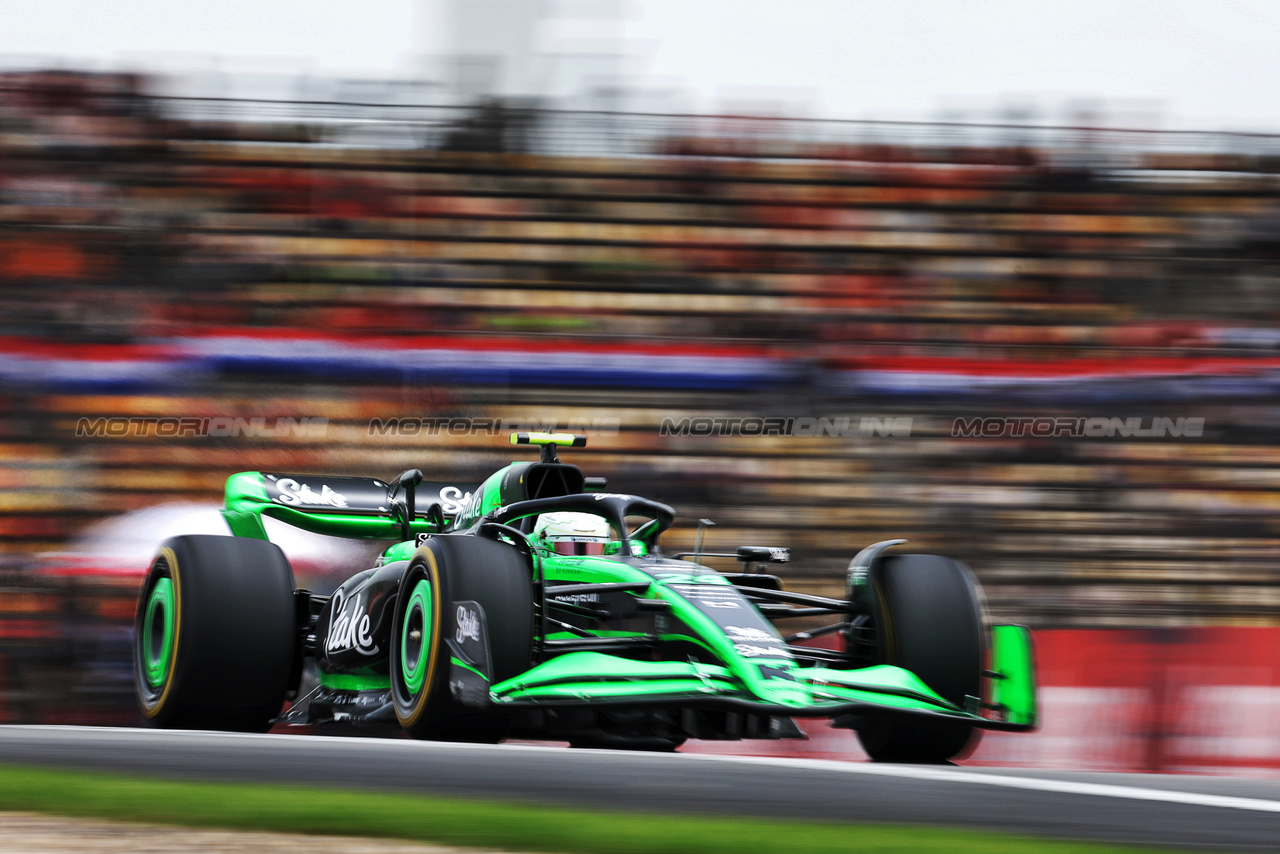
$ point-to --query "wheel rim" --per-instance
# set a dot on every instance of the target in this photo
(415, 638)
(157, 633)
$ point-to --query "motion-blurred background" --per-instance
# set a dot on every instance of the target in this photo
(519, 222)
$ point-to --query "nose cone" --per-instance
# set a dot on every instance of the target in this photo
(782, 690)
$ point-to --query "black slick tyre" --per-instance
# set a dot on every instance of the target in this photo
(928, 618)
(446, 570)
(214, 637)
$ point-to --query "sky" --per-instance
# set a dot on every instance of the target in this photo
(1170, 63)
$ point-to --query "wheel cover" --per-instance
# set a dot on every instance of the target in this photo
(415, 652)
(157, 633)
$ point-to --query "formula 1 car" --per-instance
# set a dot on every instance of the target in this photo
(543, 607)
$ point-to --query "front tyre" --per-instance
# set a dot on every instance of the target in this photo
(928, 620)
(446, 570)
(214, 636)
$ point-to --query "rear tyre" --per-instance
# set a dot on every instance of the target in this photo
(449, 569)
(214, 636)
(928, 619)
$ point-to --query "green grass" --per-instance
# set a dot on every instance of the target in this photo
(454, 821)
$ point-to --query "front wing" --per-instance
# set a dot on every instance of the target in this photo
(596, 678)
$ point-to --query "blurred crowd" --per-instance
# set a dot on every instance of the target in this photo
(170, 257)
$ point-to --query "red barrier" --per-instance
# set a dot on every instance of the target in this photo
(1199, 700)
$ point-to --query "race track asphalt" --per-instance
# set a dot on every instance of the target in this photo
(1183, 811)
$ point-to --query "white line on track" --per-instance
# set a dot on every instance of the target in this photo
(913, 772)
(1037, 784)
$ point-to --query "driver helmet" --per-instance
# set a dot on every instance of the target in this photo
(573, 533)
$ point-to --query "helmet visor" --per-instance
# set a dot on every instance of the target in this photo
(578, 547)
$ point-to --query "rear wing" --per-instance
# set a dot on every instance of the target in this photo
(339, 506)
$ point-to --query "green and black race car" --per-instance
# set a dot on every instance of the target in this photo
(543, 607)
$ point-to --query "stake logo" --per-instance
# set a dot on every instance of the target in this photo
(468, 625)
(742, 633)
(748, 650)
(348, 627)
(297, 494)
(452, 500)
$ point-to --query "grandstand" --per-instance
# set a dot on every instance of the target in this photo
(172, 257)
